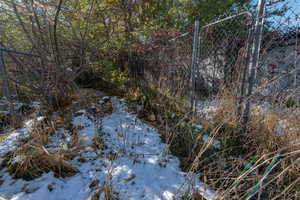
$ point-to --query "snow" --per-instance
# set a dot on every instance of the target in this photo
(135, 163)
(142, 155)
(5, 105)
(89, 130)
(206, 108)
(10, 142)
(197, 126)
(215, 143)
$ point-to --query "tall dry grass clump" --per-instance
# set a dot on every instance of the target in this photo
(32, 158)
(265, 160)
(227, 108)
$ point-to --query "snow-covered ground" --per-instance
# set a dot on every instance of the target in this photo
(10, 141)
(134, 162)
(206, 108)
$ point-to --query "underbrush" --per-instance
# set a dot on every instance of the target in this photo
(32, 160)
(271, 144)
(262, 164)
(12, 114)
(40, 152)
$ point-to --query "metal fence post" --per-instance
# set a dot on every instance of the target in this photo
(254, 60)
(3, 74)
(296, 57)
(194, 62)
(243, 83)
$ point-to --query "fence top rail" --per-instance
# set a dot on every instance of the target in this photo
(17, 52)
(229, 17)
(182, 35)
(216, 22)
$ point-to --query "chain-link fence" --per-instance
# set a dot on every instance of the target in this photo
(164, 62)
(223, 51)
(278, 71)
(186, 65)
(253, 55)
(223, 55)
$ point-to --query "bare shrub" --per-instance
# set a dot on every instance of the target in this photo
(49, 70)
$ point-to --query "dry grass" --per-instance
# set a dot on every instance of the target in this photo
(263, 132)
(223, 169)
(262, 144)
(106, 191)
(98, 143)
(2, 137)
(88, 99)
(13, 116)
(10, 120)
(32, 158)
(227, 110)
(41, 132)
(31, 161)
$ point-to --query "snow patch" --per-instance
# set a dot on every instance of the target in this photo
(215, 143)
(10, 142)
(206, 108)
(135, 162)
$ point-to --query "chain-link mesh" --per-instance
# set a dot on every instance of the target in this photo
(166, 61)
(279, 68)
(224, 52)
(222, 58)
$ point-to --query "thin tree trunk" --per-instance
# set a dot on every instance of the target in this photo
(3, 74)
